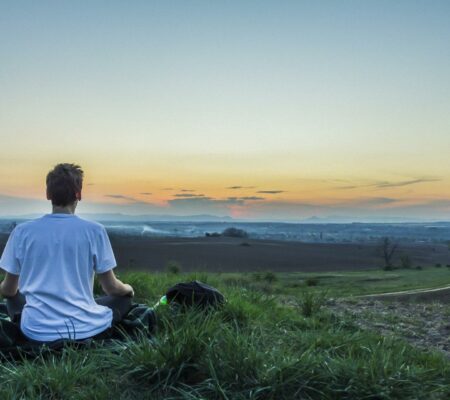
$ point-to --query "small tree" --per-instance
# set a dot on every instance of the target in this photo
(388, 248)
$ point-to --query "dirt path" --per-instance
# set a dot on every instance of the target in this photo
(419, 316)
(441, 295)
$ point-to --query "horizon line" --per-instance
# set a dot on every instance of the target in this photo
(221, 218)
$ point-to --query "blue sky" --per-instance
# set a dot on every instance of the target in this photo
(300, 98)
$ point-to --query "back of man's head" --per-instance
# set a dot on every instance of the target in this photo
(64, 182)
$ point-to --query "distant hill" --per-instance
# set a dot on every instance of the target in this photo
(152, 217)
(136, 218)
(330, 219)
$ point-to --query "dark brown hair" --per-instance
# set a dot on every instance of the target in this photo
(64, 181)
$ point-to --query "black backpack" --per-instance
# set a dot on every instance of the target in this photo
(195, 293)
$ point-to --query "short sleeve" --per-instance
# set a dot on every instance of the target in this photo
(9, 260)
(104, 259)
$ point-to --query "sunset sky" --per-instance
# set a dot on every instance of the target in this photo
(269, 110)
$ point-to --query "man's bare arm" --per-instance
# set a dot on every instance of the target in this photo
(10, 285)
(113, 286)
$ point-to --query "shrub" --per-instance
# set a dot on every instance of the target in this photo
(213, 234)
(235, 232)
(438, 265)
(311, 282)
(270, 277)
(418, 267)
(310, 302)
(173, 267)
(245, 244)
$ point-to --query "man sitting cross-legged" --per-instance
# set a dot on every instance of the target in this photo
(50, 264)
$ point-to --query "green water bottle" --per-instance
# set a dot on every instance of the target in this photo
(162, 301)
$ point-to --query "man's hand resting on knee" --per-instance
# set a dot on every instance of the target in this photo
(113, 286)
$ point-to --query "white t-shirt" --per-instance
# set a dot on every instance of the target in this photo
(55, 257)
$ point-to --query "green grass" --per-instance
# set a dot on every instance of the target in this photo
(253, 348)
(345, 284)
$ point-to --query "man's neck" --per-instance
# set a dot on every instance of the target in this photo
(69, 209)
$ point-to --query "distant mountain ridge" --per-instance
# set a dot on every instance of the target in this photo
(136, 218)
(153, 217)
(331, 219)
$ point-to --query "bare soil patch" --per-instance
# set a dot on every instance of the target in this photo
(228, 255)
(425, 325)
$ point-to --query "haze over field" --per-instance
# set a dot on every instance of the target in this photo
(260, 110)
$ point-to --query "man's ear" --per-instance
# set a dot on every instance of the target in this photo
(78, 195)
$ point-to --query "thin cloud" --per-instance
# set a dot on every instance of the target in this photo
(246, 198)
(121, 197)
(188, 195)
(389, 184)
(206, 200)
(271, 191)
(187, 190)
(240, 187)
(167, 188)
(352, 209)
(146, 193)
(386, 184)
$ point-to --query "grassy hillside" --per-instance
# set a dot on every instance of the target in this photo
(253, 348)
(335, 284)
